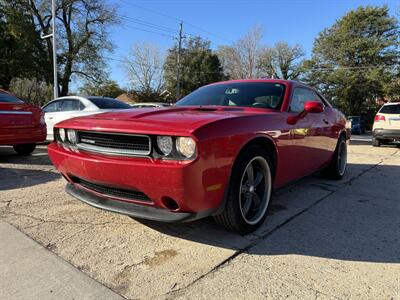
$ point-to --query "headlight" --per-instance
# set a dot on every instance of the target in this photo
(186, 146)
(165, 144)
(72, 138)
(61, 133)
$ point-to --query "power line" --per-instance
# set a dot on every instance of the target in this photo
(150, 31)
(148, 24)
(353, 68)
(176, 19)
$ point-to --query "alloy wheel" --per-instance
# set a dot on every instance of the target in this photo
(255, 190)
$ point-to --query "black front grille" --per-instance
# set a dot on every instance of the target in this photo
(114, 143)
(112, 191)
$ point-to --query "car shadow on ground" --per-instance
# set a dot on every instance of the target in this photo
(360, 142)
(368, 142)
(38, 157)
(348, 222)
(15, 178)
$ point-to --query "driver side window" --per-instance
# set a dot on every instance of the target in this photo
(300, 97)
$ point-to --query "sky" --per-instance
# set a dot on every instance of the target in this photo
(223, 22)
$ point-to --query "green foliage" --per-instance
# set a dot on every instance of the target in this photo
(357, 59)
(22, 52)
(82, 35)
(109, 88)
(32, 90)
(199, 66)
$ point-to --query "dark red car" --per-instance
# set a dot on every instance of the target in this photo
(21, 125)
(219, 152)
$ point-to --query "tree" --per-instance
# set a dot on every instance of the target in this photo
(144, 67)
(355, 59)
(281, 61)
(108, 88)
(32, 90)
(82, 34)
(240, 60)
(22, 53)
(199, 66)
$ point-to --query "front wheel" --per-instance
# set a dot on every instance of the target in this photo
(24, 149)
(249, 192)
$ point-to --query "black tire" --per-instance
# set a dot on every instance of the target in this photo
(24, 149)
(255, 191)
(376, 142)
(337, 167)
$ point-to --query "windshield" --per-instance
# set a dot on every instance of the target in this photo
(248, 94)
(354, 119)
(108, 103)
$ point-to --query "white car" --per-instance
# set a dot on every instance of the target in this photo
(68, 107)
(386, 124)
(150, 104)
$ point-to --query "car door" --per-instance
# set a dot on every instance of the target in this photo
(310, 136)
(51, 111)
(63, 109)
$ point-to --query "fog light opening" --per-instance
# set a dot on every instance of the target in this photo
(170, 203)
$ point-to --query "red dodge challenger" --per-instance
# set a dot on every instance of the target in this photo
(220, 151)
(21, 125)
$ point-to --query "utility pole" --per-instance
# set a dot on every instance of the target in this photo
(53, 36)
(178, 70)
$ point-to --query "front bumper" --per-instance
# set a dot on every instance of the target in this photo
(132, 209)
(387, 134)
(196, 186)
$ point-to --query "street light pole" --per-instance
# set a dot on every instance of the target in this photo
(178, 70)
(53, 36)
(55, 78)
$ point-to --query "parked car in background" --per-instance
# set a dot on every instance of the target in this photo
(150, 104)
(75, 106)
(22, 125)
(386, 127)
(357, 124)
(218, 152)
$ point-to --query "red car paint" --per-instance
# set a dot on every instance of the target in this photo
(20, 123)
(198, 186)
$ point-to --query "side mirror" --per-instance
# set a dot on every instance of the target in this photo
(313, 107)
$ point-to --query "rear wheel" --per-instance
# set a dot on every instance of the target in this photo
(249, 192)
(338, 165)
(24, 149)
(376, 142)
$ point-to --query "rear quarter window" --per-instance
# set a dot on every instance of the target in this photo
(390, 109)
(4, 97)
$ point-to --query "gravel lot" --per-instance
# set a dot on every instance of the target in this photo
(323, 239)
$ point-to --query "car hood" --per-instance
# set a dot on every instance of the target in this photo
(175, 120)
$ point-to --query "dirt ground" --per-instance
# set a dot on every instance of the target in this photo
(322, 239)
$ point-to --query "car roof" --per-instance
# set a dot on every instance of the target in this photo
(281, 81)
(392, 103)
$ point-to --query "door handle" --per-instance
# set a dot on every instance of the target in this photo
(50, 118)
(326, 121)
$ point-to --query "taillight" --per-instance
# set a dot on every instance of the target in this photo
(379, 118)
